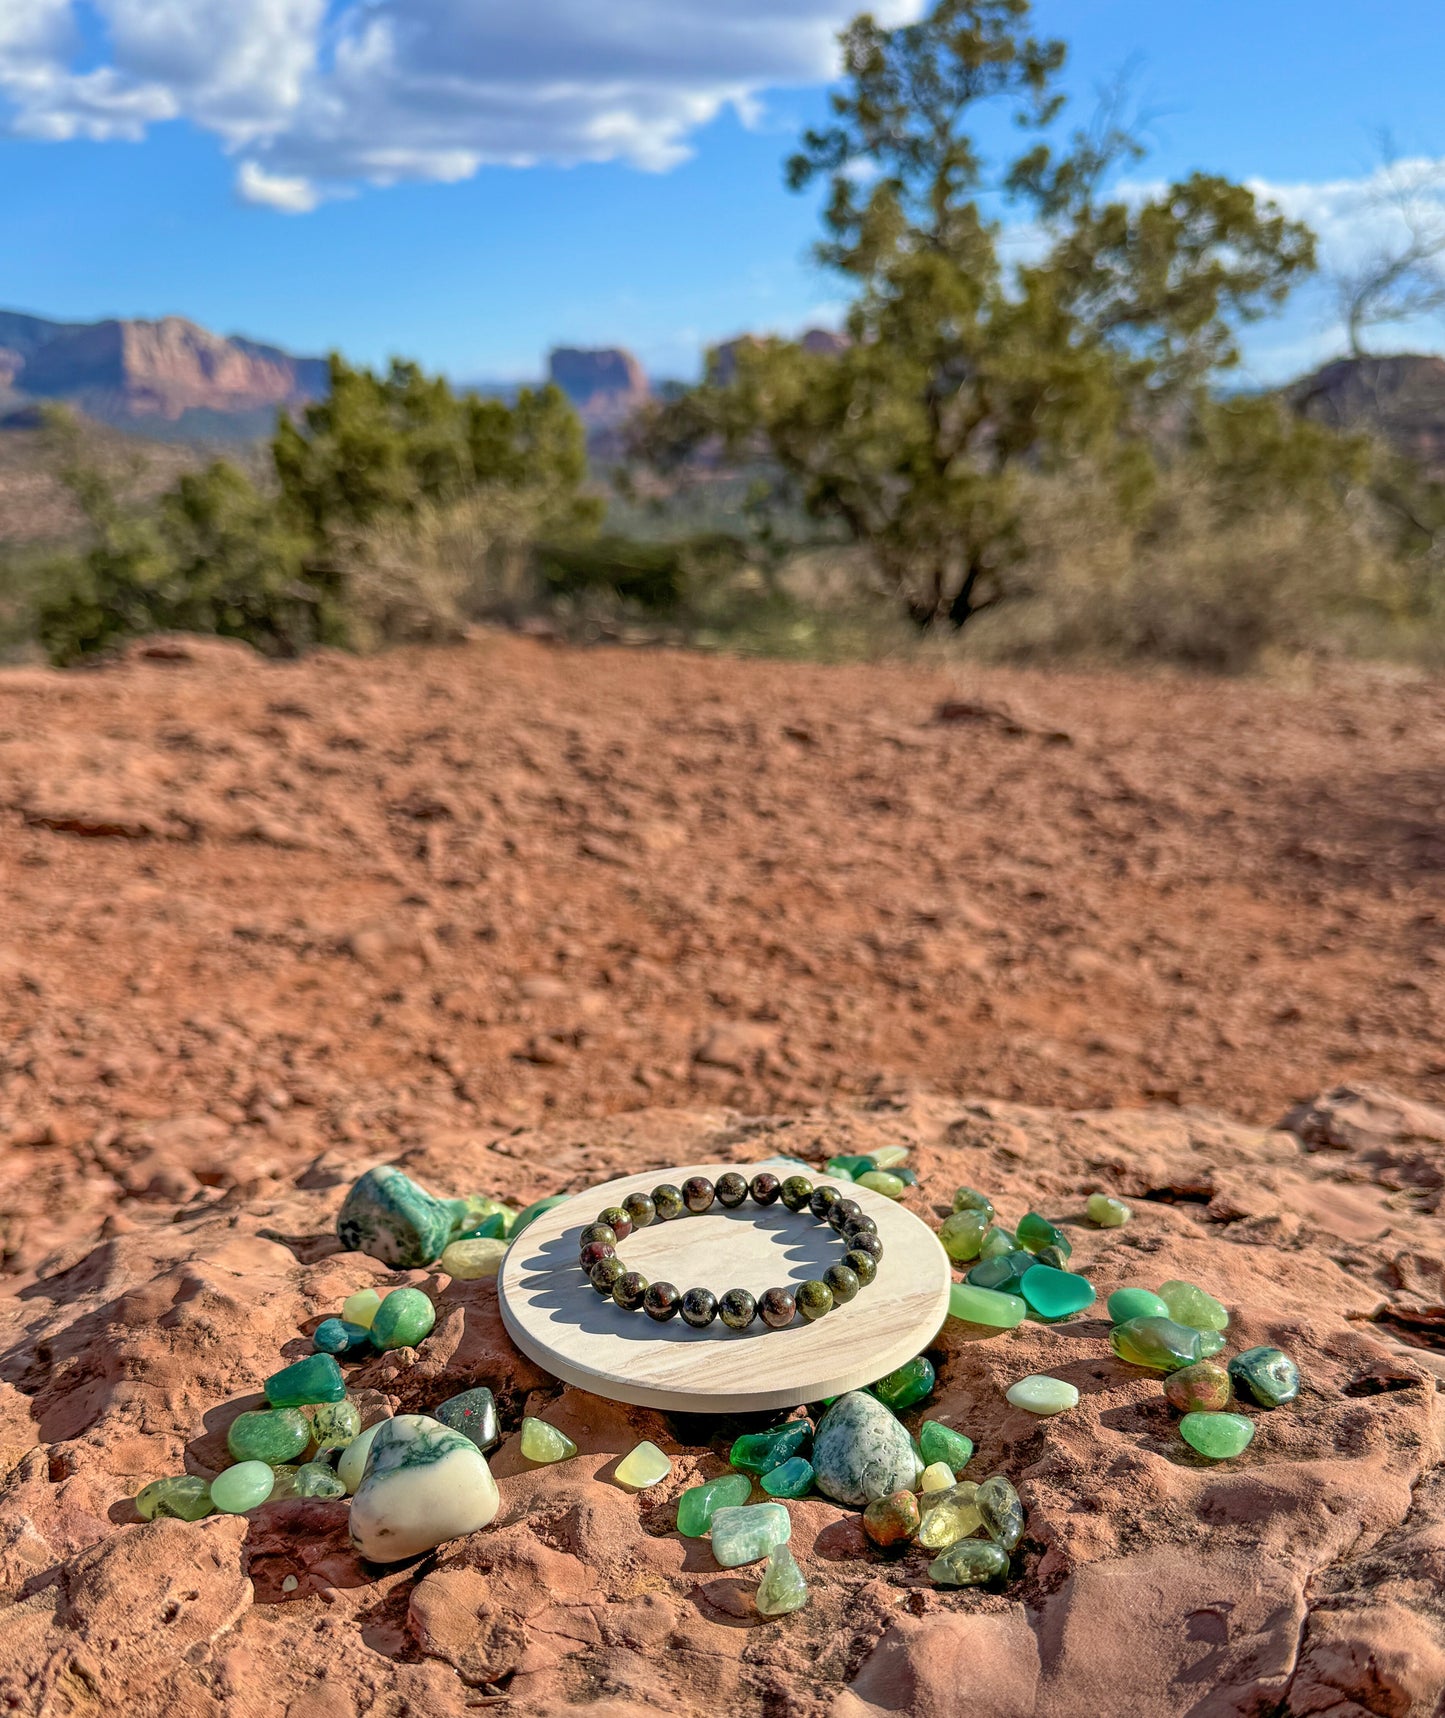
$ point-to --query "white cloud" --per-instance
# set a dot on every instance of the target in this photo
(1355, 218)
(315, 102)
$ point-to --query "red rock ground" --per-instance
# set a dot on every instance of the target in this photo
(265, 925)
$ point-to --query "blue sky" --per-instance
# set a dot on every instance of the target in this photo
(335, 172)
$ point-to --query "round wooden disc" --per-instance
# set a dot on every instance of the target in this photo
(558, 1320)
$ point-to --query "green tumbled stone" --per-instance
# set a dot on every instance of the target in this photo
(1203, 1388)
(388, 1216)
(881, 1181)
(474, 1414)
(782, 1588)
(948, 1515)
(761, 1452)
(697, 1506)
(892, 1520)
(852, 1167)
(334, 1425)
(272, 1435)
(1106, 1212)
(814, 1299)
(530, 1213)
(351, 1465)
(1056, 1294)
(283, 1482)
(970, 1199)
(1189, 1304)
(403, 1320)
(995, 1242)
(1002, 1512)
(544, 1443)
(1266, 1375)
(1050, 1256)
(492, 1228)
(1042, 1395)
(644, 1466)
(360, 1308)
(889, 1156)
(962, 1234)
(336, 1336)
(1159, 1343)
(245, 1486)
(907, 1384)
(792, 1478)
(1218, 1436)
(1004, 1272)
(316, 1479)
(1211, 1342)
(744, 1534)
(184, 1496)
(968, 1563)
(1127, 1303)
(317, 1378)
(937, 1442)
(985, 1306)
(1035, 1232)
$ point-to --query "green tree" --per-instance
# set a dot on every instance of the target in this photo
(963, 372)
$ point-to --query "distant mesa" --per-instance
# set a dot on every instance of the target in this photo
(1401, 398)
(825, 342)
(606, 383)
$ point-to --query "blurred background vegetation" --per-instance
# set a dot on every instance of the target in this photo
(1031, 460)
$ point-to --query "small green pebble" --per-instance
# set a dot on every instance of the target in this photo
(995, 1242)
(316, 1479)
(335, 1424)
(697, 1506)
(1127, 1303)
(1265, 1375)
(1159, 1343)
(793, 1478)
(544, 1443)
(968, 1563)
(880, 1181)
(761, 1452)
(937, 1442)
(336, 1336)
(272, 1435)
(1189, 1304)
(245, 1486)
(491, 1228)
(1106, 1212)
(962, 1234)
(1002, 1512)
(1004, 1272)
(317, 1378)
(852, 1167)
(643, 1466)
(530, 1213)
(744, 1534)
(890, 1156)
(970, 1199)
(1056, 1294)
(404, 1319)
(986, 1306)
(185, 1496)
(1043, 1395)
(782, 1588)
(909, 1177)
(1035, 1232)
(909, 1383)
(1218, 1436)
(360, 1308)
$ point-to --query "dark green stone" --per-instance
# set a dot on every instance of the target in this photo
(815, 1299)
(737, 1309)
(699, 1308)
(314, 1379)
(761, 1452)
(1003, 1273)
(667, 1202)
(336, 1336)
(273, 1436)
(474, 1414)
(797, 1191)
(863, 1265)
(910, 1383)
(1035, 1232)
(1265, 1375)
(852, 1167)
(792, 1478)
(605, 1275)
(491, 1228)
(970, 1199)
(844, 1282)
(640, 1209)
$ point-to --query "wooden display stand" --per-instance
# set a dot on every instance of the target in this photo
(558, 1320)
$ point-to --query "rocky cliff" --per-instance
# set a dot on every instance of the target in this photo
(606, 384)
(1401, 398)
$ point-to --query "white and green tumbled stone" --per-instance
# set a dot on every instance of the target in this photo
(862, 1452)
(1043, 1395)
(782, 1588)
(424, 1484)
(743, 1534)
(389, 1217)
(186, 1496)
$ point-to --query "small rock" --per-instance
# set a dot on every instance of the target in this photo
(424, 1484)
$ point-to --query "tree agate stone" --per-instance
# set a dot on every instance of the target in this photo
(185, 1496)
(949, 1515)
(986, 1306)
(1218, 1436)
(861, 1452)
(472, 1260)
(968, 1563)
(644, 1466)
(937, 1476)
(881, 1181)
(1035, 1232)
(1189, 1304)
(1002, 1512)
(317, 1378)
(782, 1588)
(744, 1534)
(389, 1217)
(474, 1414)
(1202, 1388)
(1106, 1212)
(360, 1308)
(336, 1336)
(245, 1486)
(962, 1234)
(544, 1443)
(940, 1443)
(1127, 1303)
(761, 1452)
(273, 1435)
(1156, 1342)
(1041, 1395)
(792, 1478)
(892, 1520)
(316, 1479)
(996, 1241)
(404, 1319)
(909, 1383)
(1265, 1375)
(424, 1484)
(1056, 1294)
(1004, 1272)
(530, 1213)
(697, 1506)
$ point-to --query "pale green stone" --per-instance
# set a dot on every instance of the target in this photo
(1043, 1395)
(316, 1479)
(782, 1588)
(185, 1496)
(544, 1443)
(245, 1486)
(1189, 1304)
(360, 1308)
(271, 1435)
(1218, 1436)
(880, 1181)
(742, 1535)
(968, 1563)
(1127, 1303)
(1002, 1510)
(889, 1156)
(949, 1515)
(644, 1466)
(986, 1306)
(962, 1234)
(335, 1424)
(1106, 1212)
(996, 1242)
(472, 1261)
(352, 1464)
(937, 1476)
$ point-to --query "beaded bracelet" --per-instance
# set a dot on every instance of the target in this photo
(737, 1308)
